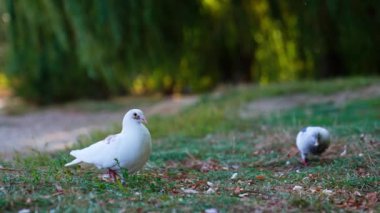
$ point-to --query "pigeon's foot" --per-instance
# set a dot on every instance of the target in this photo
(304, 162)
(123, 182)
(113, 174)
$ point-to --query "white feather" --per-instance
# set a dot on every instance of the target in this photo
(131, 147)
(75, 161)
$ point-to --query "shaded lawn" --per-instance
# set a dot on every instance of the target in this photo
(196, 152)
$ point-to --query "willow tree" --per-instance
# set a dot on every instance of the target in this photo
(339, 38)
(66, 49)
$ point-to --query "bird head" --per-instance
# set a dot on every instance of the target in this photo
(322, 136)
(135, 115)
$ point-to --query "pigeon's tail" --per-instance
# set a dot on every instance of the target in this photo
(76, 161)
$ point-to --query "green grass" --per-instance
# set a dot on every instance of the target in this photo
(209, 142)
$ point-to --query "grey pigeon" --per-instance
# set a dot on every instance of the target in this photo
(312, 140)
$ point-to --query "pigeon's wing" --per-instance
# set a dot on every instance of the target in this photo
(110, 139)
(305, 140)
(100, 154)
(300, 141)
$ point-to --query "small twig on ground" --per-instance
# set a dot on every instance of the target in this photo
(190, 155)
(9, 169)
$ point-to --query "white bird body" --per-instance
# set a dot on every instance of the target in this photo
(312, 140)
(131, 147)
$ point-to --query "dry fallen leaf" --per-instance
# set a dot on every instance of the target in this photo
(105, 178)
(235, 167)
(210, 191)
(327, 192)
(312, 176)
(123, 210)
(111, 201)
(260, 177)
(372, 199)
(243, 195)
(237, 190)
(234, 176)
(353, 202)
(58, 188)
(279, 174)
(202, 166)
(344, 151)
(28, 200)
(201, 184)
(297, 188)
(212, 210)
(24, 211)
(361, 171)
(189, 191)
(293, 151)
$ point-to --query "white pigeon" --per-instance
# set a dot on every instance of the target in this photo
(129, 149)
(312, 140)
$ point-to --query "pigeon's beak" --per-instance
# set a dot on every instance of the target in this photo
(143, 120)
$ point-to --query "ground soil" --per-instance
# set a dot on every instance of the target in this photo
(285, 102)
(56, 128)
(59, 127)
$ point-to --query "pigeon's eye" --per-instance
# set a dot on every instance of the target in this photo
(134, 114)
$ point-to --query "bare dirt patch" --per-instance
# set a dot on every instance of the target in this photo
(56, 128)
(282, 103)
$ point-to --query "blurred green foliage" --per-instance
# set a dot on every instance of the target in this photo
(67, 49)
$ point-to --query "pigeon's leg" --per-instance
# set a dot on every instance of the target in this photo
(303, 159)
(123, 182)
(113, 174)
(110, 174)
